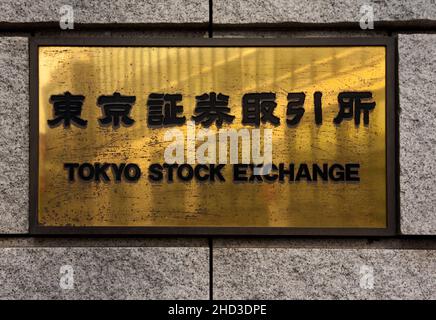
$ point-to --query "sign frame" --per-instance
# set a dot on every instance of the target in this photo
(391, 134)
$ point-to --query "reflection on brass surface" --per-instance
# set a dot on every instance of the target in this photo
(191, 71)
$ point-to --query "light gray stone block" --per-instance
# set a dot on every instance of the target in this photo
(104, 273)
(106, 11)
(318, 11)
(14, 132)
(318, 243)
(292, 33)
(25, 241)
(122, 33)
(417, 87)
(267, 273)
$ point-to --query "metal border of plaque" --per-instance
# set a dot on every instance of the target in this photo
(391, 134)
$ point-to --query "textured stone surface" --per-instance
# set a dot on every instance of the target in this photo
(318, 11)
(290, 33)
(25, 241)
(105, 273)
(417, 70)
(106, 11)
(122, 33)
(14, 124)
(267, 273)
(322, 243)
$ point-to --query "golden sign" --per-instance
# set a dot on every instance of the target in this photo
(107, 114)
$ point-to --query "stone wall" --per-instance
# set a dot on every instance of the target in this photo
(403, 267)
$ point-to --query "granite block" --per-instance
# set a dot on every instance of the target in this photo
(106, 11)
(104, 273)
(319, 11)
(417, 89)
(282, 273)
(14, 135)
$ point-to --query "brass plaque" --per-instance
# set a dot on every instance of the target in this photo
(107, 113)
